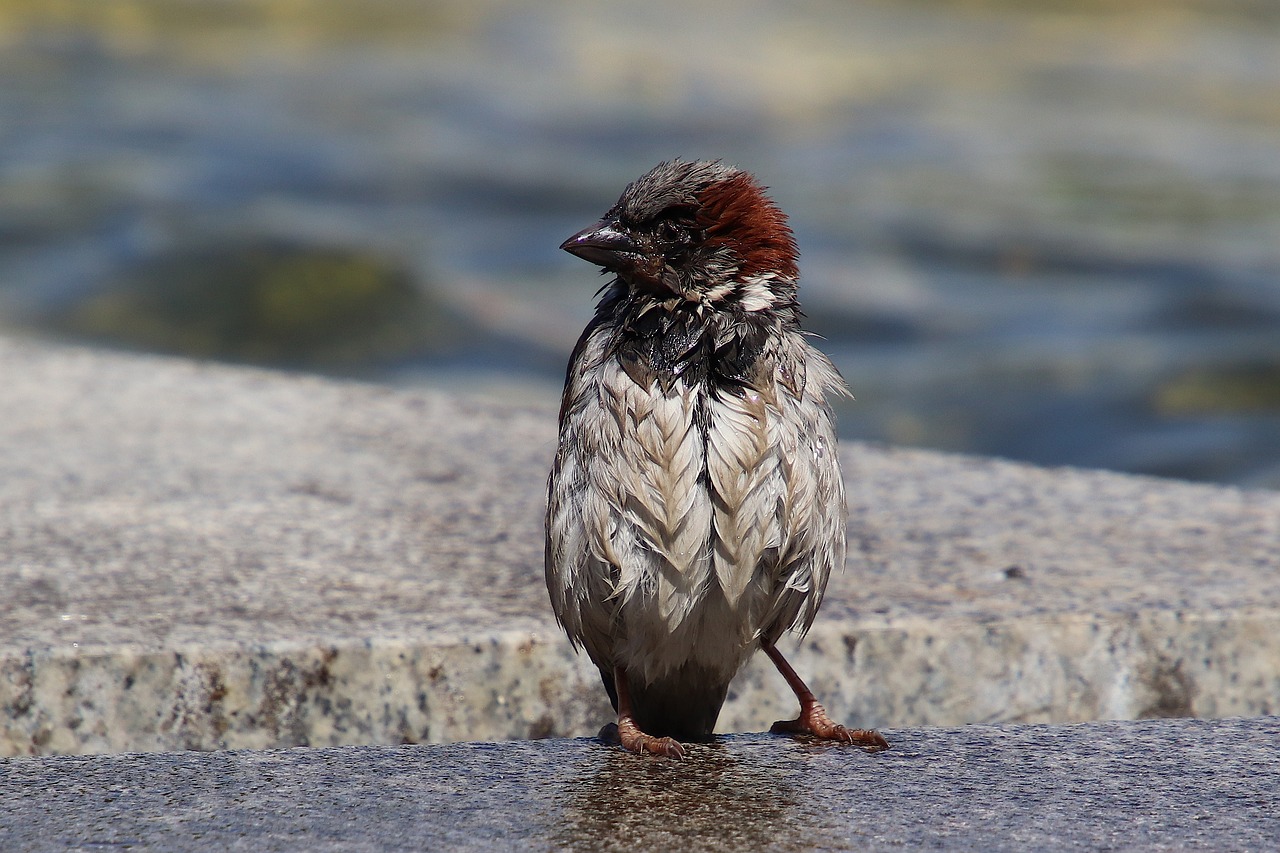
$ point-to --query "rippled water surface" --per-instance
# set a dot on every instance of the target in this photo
(1048, 231)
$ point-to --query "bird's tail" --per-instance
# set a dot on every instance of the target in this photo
(683, 704)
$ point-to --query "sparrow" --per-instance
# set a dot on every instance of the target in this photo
(695, 507)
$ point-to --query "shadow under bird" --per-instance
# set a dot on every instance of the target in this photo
(695, 508)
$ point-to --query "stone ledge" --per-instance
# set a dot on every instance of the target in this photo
(199, 556)
(1155, 784)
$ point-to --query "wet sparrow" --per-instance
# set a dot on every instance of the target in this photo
(695, 507)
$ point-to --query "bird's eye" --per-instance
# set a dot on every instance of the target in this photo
(671, 230)
(677, 225)
(676, 236)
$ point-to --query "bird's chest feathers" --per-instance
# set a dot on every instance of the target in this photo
(696, 350)
(697, 405)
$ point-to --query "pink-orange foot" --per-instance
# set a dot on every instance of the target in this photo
(631, 738)
(629, 734)
(813, 720)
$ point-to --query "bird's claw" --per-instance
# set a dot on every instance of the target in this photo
(814, 721)
(628, 734)
(664, 746)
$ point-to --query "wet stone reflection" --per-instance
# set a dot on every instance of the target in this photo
(723, 795)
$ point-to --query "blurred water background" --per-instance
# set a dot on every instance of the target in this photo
(1040, 230)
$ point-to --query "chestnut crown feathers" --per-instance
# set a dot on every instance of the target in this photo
(700, 231)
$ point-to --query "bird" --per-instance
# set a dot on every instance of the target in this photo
(695, 506)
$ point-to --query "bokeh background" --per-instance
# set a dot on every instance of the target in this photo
(1041, 230)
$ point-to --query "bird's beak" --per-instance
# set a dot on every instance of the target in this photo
(607, 244)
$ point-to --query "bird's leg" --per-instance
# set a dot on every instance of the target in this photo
(813, 717)
(629, 733)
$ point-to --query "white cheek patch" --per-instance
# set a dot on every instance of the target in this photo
(717, 293)
(756, 295)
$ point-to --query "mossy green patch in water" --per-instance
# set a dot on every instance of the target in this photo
(1249, 387)
(268, 303)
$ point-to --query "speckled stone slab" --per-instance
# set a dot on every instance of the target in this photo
(198, 557)
(1146, 785)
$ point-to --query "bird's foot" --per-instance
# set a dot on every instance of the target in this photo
(813, 720)
(627, 733)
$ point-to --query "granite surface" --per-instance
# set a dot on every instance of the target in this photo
(1146, 785)
(196, 556)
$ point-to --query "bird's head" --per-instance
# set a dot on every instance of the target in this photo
(702, 232)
